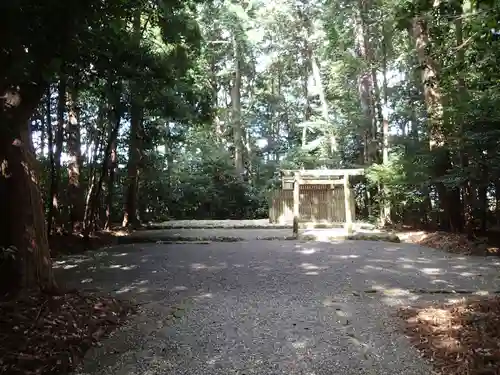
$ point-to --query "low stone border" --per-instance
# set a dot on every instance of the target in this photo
(209, 239)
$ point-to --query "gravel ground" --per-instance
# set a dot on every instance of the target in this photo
(269, 307)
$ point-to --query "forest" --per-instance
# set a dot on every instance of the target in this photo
(119, 113)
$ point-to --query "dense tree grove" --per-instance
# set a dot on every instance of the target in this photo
(122, 112)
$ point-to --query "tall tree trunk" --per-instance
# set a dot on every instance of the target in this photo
(305, 87)
(94, 194)
(22, 223)
(365, 88)
(91, 198)
(462, 98)
(385, 211)
(114, 122)
(325, 111)
(59, 139)
(365, 83)
(50, 145)
(450, 218)
(134, 152)
(236, 110)
(134, 156)
(43, 134)
(75, 190)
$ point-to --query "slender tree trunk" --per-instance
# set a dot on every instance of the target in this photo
(59, 138)
(134, 156)
(305, 87)
(43, 134)
(50, 141)
(22, 223)
(365, 88)
(236, 110)
(134, 152)
(497, 202)
(461, 99)
(90, 200)
(115, 118)
(325, 111)
(75, 190)
(94, 195)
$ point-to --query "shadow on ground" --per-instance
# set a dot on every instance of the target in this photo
(271, 307)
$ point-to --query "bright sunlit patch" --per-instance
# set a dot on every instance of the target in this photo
(482, 293)
(350, 256)
(128, 268)
(396, 292)
(299, 344)
(86, 281)
(204, 296)
(468, 274)
(309, 266)
(307, 251)
(312, 273)
(123, 290)
(407, 266)
(198, 266)
(432, 271)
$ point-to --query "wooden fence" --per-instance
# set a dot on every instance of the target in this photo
(318, 204)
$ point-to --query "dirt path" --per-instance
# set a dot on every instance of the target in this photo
(270, 307)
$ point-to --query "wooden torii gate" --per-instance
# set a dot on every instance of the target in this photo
(323, 177)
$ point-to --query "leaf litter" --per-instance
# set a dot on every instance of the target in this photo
(460, 338)
(49, 334)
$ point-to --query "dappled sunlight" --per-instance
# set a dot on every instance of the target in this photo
(307, 251)
(350, 256)
(416, 260)
(203, 296)
(381, 269)
(407, 266)
(300, 345)
(70, 262)
(202, 266)
(212, 361)
(439, 281)
(432, 271)
(137, 287)
(394, 301)
(310, 266)
(122, 267)
(460, 336)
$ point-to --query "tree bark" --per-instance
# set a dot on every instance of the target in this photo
(114, 122)
(365, 86)
(22, 220)
(450, 217)
(236, 110)
(134, 156)
(50, 144)
(59, 138)
(325, 111)
(75, 190)
(91, 198)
